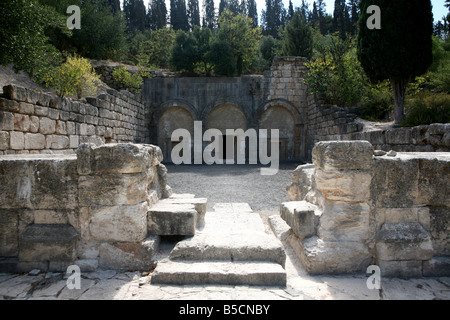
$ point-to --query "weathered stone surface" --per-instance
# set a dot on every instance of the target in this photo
(301, 216)
(38, 181)
(440, 230)
(35, 141)
(118, 158)
(9, 240)
(228, 273)
(403, 241)
(44, 242)
(344, 221)
(119, 223)
(129, 256)
(113, 189)
(437, 267)
(319, 256)
(342, 155)
(172, 219)
(199, 205)
(348, 186)
(402, 268)
(301, 182)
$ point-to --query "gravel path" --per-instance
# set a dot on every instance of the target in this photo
(233, 183)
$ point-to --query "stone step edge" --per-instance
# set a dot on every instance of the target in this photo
(219, 272)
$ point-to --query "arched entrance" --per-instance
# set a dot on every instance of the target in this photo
(279, 117)
(223, 117)
(171, 119)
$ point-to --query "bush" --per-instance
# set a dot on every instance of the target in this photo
(378, 103)
(132, 82)
(427, 109)
(75, 76)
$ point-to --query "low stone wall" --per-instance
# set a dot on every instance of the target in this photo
(88, 209)
(34, 122)
(351, 209)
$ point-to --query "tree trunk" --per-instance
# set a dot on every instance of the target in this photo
(399, 86)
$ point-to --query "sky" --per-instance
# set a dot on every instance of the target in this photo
(439, 10)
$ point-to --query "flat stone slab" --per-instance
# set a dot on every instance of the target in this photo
(232, 248)
(166, 219)
(219, 272)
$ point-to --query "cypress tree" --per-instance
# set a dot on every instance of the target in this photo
(401, 49)
(135, 14)
(298, 38)
(158, 14)
(252, 12)
(193, 14)
(209, 17)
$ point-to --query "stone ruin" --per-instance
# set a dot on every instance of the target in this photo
(91, 209)
(351, 209)
(107, 207)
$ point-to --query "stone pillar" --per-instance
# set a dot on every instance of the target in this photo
(114, 193)
(342, 182)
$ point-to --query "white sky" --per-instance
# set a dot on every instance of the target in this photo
(439, 10)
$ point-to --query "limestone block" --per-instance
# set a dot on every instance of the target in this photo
(13, 92)
(43, 182)
(9, 105)
(116, 158)
(129, 256)
(4, 140)
(437, 267)
(26, 108)
(17, 140)
(344, 221)
(45, 242)
(404, 268)
(59, 142)
(433, 181)
(301, 216)
(440, 230)
(119, 223)
(301, 182)
(403, 241)
(342, 155)
(47, 126)
(395, 182)
(112, 190)
(34, 124)
(6, 120)
(172, 219)
(34, 141)
(341, 257)
(9, 224)
(349, 186)
(21, 122)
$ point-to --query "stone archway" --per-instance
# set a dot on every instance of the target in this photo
(223, 117)
(278, 117)
(171, 119)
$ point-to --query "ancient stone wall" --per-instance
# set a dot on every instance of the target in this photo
(88, 209)
(351, 209)
(34, 122)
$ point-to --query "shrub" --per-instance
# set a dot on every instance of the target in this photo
(75, 76)
(132, 82)
(427, 109)
(378, 103)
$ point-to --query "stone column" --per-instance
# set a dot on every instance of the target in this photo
(342, 182)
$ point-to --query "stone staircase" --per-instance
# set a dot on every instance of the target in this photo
(231, 247)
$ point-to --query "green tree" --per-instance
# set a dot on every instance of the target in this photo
(178, 15)
(24, 43)
(135, 14)
(401, 49)
(273, 17)
(220, 56)
(298, 39)
(252, 12)
(269, 48)
(158, 14)
(193, 13)
(184, 52)
(340, 18)
(242, 37)
(209, 16)
(102, 34)
(152, 48)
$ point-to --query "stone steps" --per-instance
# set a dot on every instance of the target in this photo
(219, 272)
(233, 248)
(180, 214)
